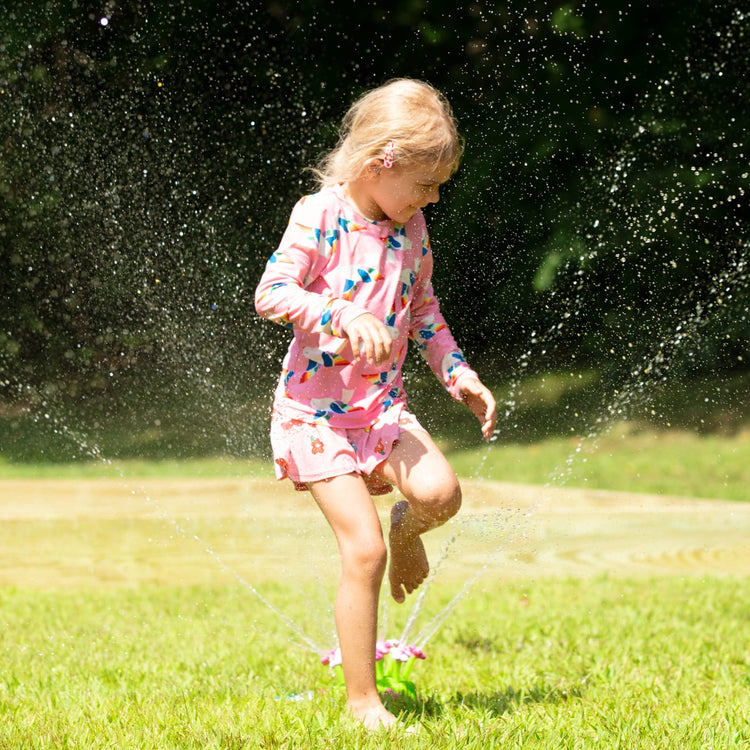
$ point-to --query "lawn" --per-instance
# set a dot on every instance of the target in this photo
(591, 594)
(144, 612)
(669, 462)
(627, 458)
(554, 663)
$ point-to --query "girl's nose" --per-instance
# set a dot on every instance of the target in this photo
(433, 195)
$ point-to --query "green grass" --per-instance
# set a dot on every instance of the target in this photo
(672, 462)
(603, 663)
(94, 656)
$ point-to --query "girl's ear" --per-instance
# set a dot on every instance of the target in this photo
(373, 168)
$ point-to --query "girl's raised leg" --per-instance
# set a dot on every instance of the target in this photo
(349, 510)
(433, 495)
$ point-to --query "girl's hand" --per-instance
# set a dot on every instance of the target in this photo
(479, 399)
(370, 339)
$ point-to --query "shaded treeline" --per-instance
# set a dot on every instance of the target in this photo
(150, 153)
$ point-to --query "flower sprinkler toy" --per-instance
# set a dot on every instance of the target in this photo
(393, 665)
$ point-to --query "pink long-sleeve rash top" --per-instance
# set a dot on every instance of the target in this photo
(332, 265)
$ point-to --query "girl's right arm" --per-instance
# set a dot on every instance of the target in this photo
(282, 295)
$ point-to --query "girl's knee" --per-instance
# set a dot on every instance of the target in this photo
(365, 558)
(451, 498)
(439, 500)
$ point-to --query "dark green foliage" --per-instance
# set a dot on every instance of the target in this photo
(150, 153)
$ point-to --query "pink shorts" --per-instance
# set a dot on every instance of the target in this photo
(312, 451)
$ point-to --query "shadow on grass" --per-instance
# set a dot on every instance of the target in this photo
(510, 699)
(495, 703)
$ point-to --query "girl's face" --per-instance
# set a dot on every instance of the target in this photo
(399, 192)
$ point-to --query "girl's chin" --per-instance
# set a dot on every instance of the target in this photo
(405, 215)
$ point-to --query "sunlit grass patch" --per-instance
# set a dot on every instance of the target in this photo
(552, 663)
(627, 458)
(673, 462)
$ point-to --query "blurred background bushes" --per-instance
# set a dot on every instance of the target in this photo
(150, 153)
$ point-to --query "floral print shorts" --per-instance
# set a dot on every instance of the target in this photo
(312, 451)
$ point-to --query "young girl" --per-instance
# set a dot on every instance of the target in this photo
(351, 278)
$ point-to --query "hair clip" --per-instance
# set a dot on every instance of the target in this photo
(388, 155)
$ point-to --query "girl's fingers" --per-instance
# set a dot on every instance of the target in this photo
(379, 349)
(480, 400)
(370, 339)
(354, 341)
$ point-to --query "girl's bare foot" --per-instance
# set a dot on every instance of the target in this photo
(408, 566)
(374, 717)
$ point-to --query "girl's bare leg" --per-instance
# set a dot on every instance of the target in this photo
(433, 495)
(349, 510)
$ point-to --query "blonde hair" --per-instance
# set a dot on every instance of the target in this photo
(412, 114)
